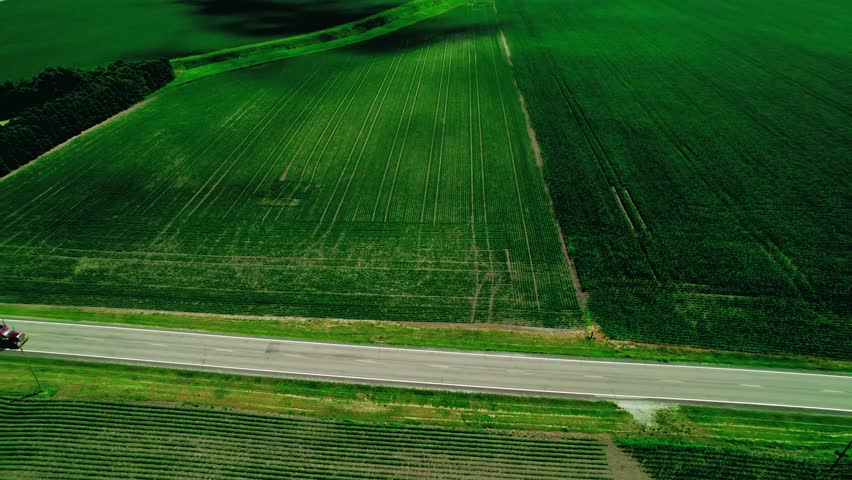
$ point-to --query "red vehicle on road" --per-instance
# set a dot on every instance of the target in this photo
(10, 338)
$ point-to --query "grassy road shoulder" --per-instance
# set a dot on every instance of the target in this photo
(463, 337)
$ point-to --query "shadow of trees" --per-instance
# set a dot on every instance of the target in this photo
(276, 18)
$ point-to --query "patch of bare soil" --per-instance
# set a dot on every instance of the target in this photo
(622, 466)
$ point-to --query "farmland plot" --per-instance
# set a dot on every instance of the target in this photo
(698, 154)
(59, 439)
(389, 181)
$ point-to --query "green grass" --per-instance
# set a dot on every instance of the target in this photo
(393, 180)
(195, 67)
(698, 154)
(87, 33)
(465, 337)
(72, 380)
(60, 439)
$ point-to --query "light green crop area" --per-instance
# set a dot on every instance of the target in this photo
(392, 180)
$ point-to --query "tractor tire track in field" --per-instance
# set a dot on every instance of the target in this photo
(491, 272)
(348, 99)
(274, 112)
(418, 66)
(146, 204)
(270, 115)
(405, 135)
(200, 189)
(330, 82)
(443, 134)
(521, 209)
(434, 133)
(355, 144)
(285, 136)
(581, 296)
(366, 142)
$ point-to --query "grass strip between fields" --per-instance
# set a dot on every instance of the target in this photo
(94, 381)
(462, 337)
(191, 68)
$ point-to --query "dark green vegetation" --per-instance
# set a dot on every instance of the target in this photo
(58, 104)
(665, 460)
(194, 67)
(698, 156)
(392, 180)
(86, 33)
(724, 444)
(109, 440)
(468, 337)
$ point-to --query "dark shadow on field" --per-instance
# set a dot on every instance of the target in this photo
(278, 18)
(422, 35)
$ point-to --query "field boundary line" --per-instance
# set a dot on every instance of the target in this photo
(515, 173)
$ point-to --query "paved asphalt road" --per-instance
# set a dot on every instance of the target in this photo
(509, 373)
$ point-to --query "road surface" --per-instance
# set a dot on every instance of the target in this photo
(456, 370)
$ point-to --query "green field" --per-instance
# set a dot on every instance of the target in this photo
(720, 443)
(87, 33)
(698, 156)
(58, 439)
(392, 180)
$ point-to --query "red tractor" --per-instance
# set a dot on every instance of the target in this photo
(10, 338)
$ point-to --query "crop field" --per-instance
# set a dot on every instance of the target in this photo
(105, 440)
(392, 180)
(698, 156)
(87, 33)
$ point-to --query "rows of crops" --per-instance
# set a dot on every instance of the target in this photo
(58, 439)
(393, 180)
(666, 460)
(698, 155)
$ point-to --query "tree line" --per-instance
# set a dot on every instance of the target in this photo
(60, 103)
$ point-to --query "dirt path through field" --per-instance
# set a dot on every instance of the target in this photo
(582, 296)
